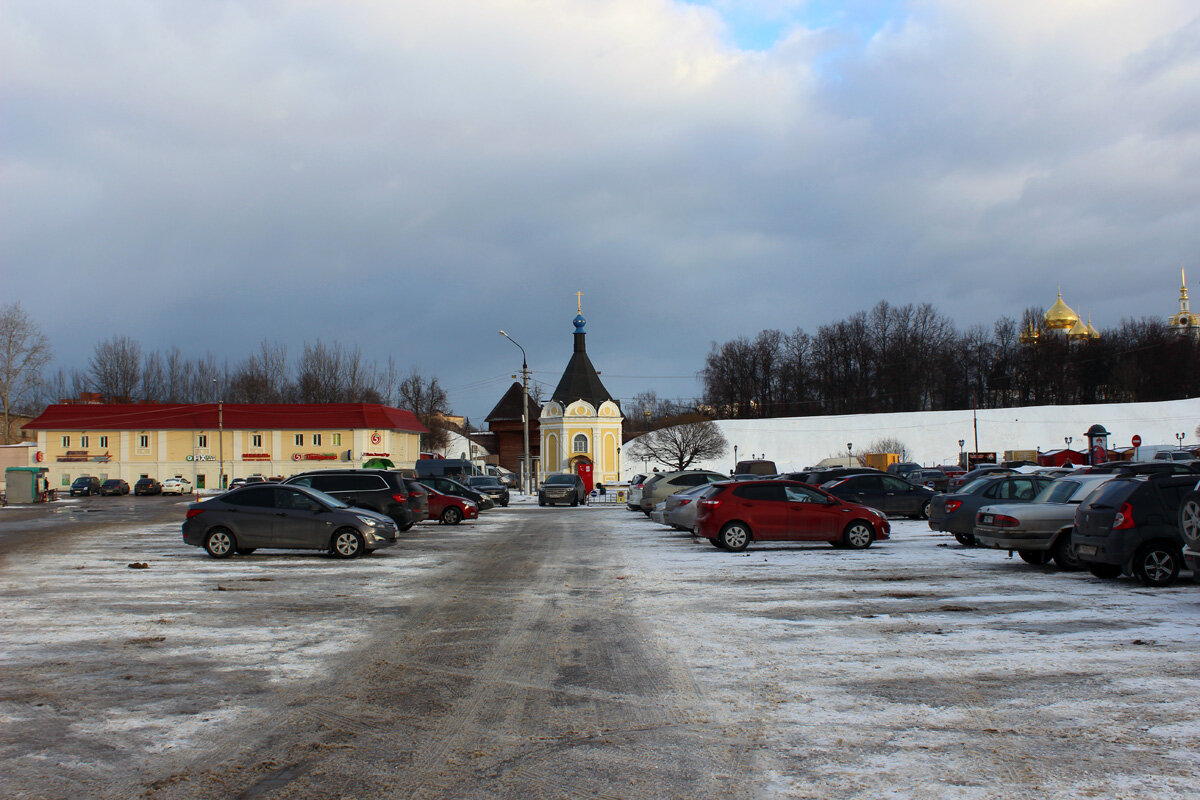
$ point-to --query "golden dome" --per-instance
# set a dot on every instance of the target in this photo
(1030, 335)
(1060, 316)
(1092, 332)
(1078, 330)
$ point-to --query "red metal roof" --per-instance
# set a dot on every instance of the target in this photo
(236, 416)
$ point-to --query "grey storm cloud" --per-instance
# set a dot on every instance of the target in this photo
(411, 177)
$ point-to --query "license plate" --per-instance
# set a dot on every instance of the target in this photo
(1086, 550)
(986, 519)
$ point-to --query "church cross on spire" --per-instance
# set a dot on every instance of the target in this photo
(579, 302)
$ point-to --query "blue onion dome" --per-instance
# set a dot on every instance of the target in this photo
(579, 323)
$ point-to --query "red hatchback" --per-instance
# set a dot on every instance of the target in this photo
(732, 514)
(449, 509)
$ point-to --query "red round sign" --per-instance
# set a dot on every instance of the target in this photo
(1137, 440)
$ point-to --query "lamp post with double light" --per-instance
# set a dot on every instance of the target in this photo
(524, 413)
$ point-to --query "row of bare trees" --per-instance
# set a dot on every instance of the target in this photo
(120, 371)
(912, 358)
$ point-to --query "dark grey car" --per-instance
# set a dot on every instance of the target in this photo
(293, 517)
(955, 513)
(564, 487)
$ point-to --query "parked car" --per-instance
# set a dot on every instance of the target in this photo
(633, 499)
(816, 477)
(665, 484)
(85, 485)
(731, 515)
(177, 485)
(379, 490)
(761, 467)
(450, 486)
(1174, 455)
(1189, 526)
(679, 509)
(955, 513)
(1039, 530)
(1139, 468)
(294, 517)
(1131, 524)
(657, 514)
(891, 495)
(114, 486)
(237, 483)
(491, 486)
(563, 487)
(931, 478)
(147, 486)
(978, 472)
(449, 509)
(902, 469)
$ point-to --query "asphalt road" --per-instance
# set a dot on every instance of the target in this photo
(547, 653)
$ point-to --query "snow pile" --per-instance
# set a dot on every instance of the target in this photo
(932, 436)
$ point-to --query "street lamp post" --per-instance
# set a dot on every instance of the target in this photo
(850, 450)
(962, 460)
(1180, 437)
(220, 438)
(524, 413)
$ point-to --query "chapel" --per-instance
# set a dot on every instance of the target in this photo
(581, 424)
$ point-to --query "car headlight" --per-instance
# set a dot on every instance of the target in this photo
(374, 523)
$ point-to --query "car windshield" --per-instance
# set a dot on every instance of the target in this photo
(1057, 492)
(327, 499)
(554, 480)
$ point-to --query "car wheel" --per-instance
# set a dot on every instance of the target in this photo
(734, 537)
(1105, 571)
(346, 543)
(1189, 519)
(542, 503)
(966, 539)
(574, 502)
(219, 543)
(1066, 557)
(1036, 557)
(858, 535)
(1157, 564)
(451, 516)
(923, 512)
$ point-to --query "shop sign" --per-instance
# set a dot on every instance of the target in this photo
(200, 458)
(314, 456)
(256, 456)
(375, 455)
(73, 455)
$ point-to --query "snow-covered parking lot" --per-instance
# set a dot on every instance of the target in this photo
(916, 668)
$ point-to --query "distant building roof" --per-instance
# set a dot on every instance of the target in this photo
(509, 407)
(234, 416)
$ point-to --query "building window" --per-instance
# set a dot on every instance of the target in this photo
(299, 439)
(104, 441)
(144, 440)
(316, 440)
(83, 441)
(202, 440)
(66, 441)
(256, 440)
(579, 443)
(336, 439)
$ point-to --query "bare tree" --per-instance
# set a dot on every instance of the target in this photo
(263, 377)
(425, 398)
(679, 445)
(24, 352)
(888, 445)
(116, 368)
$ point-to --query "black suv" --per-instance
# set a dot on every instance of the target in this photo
(85, 485)
(490, 486)
(380, 490)
(1131, 524)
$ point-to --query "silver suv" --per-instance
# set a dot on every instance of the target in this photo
(662, 485)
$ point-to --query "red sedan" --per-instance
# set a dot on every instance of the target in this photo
(449, 509)
(733, 514)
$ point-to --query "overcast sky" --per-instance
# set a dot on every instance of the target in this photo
(414, 175)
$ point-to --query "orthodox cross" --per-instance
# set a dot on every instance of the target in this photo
(579, 301)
